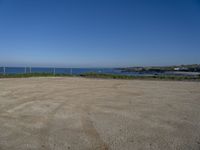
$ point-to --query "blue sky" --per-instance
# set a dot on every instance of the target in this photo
(99, 33)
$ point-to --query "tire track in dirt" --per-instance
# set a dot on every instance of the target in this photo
(87, 125)
(120, 90)
(20, 102)
(89, 129)
(44, 132)
(16, 104)
(30, 99)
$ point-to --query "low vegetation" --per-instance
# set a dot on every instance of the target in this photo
(159, 77)
(104, 76)
(31, 75)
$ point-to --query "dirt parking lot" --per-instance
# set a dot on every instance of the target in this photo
(96, 114)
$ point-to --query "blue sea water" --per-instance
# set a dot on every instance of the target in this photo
(78, 71)
(73, 71)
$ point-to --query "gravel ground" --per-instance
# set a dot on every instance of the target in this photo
(96, 114)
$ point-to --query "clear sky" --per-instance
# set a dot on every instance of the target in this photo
(99, 33)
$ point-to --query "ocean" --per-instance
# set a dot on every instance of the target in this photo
(73, 71)
(78, 71)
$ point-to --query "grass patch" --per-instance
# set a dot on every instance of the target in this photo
(33, 75)
(158, 77)
(104, 76)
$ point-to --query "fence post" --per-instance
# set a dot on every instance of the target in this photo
(54, 71)
(4, 70)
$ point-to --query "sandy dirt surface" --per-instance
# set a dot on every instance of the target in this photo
(96, 114)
